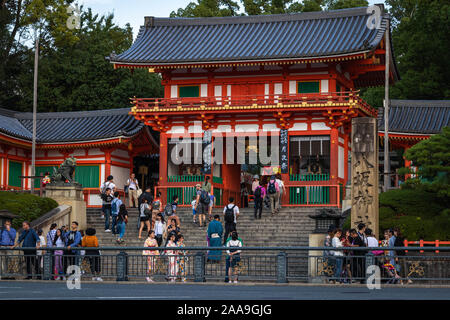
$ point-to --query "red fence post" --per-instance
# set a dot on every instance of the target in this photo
(405, 243)
(421, 245)
(437, 245)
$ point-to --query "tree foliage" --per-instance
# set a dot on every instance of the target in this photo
(73, 72)
(421, 41)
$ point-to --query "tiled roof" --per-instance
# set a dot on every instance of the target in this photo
(242, 38)
(416, 116)
(71, 126)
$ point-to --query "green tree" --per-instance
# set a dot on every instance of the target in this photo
(208, 8)
(432, 157)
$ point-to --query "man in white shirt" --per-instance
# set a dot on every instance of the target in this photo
(231, 213)
(133, 186)
(108, 184)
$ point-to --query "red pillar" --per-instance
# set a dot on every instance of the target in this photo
(163, 150)
(334, 162)
(407, 165)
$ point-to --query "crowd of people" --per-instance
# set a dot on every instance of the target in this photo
(163, 229)
(349, 265)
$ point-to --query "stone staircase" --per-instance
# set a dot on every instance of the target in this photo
(290, 227)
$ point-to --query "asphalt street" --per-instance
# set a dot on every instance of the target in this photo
(20, 290)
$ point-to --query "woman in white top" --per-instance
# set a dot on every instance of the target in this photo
(234, 256)
(160, 229)
(338, 255)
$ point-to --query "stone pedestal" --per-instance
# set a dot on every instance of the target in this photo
(365, 173)
(315, 240)
(71, 195)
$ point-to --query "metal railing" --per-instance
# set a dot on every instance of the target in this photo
(199, 264)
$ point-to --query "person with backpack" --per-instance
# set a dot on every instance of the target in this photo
(147, 194)
(282, 189)
(231, 212)
(145, 214)
(115, 206)
(157, 207)
(170, 211)
(202, 204)
(107, 198)
(122, 220)
(234, 256)
(259, 192)
(108, 184)
(228, 261)
(273, 190)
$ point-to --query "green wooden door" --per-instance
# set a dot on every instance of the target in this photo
(15, 170)
(88, 176)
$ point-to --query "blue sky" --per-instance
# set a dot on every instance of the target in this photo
(133, 11)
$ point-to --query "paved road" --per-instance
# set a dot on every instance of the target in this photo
(18, 290)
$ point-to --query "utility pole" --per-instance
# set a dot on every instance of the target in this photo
(387, 169)
(33, 147)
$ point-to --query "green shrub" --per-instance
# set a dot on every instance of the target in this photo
(419, 213)
(27, 206)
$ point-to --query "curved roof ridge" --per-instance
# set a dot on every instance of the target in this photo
(281, 17)
(72, 114)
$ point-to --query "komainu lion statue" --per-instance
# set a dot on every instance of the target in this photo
(65, 172)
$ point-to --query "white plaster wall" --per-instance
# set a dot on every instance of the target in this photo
(292, 87)
(324, 85)
(270, 127)
(176, 129)
(299, 126)
(120, 153)
(319, 126)
(102, 173)
(174, 91)
(54, 153)
(203, 90)
(127, 162)
(120, 175)
(223, 128)
(246, 128)
(278, 88)
(79, 152)
(341, 162)
(94, 200)
(95, 152)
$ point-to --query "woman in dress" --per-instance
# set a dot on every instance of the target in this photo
(58, 242)
(151, 242)
(172, 258)
(181, 258)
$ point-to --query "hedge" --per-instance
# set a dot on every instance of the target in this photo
(26, 206)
